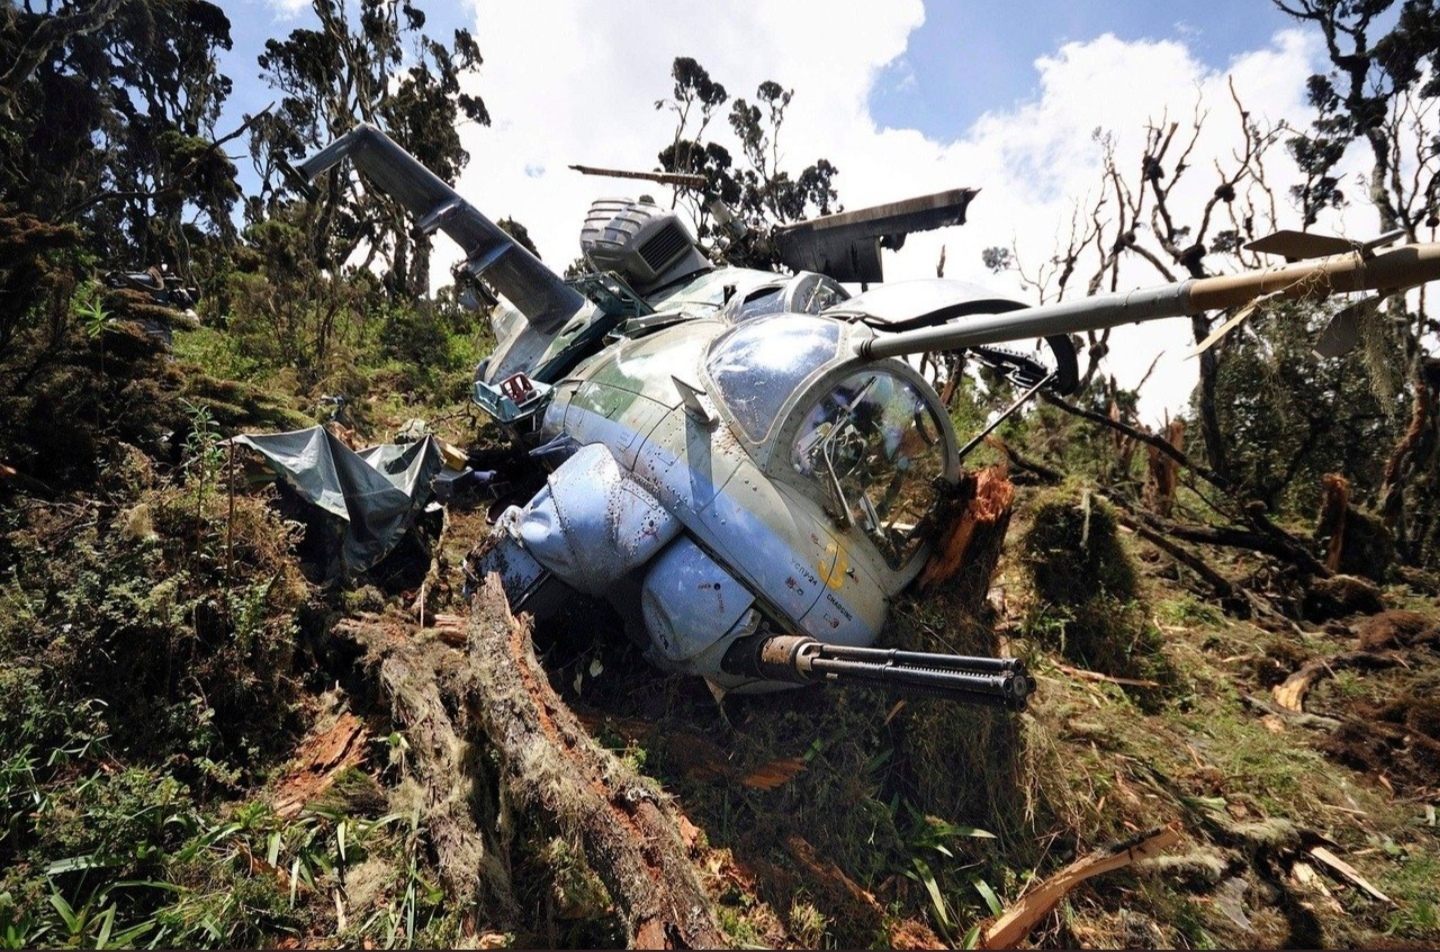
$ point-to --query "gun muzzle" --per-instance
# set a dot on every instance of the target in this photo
(998, 682)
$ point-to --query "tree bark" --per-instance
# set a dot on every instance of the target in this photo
(550, 765)
(497, 694)
(459, 810)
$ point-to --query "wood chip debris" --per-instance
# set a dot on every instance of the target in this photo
(320, 760)
(1346, 872)
(1017, 921)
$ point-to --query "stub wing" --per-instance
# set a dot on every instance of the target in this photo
(536, 291)
(846, 246)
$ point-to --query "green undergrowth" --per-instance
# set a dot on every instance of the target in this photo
(1088, 604)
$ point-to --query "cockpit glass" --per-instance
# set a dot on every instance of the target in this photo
(763, 301)
(757, 365)
(874, 447)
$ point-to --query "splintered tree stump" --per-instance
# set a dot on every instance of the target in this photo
(972, 532)
(1163, 472)
(1354, 543)
(551, 767)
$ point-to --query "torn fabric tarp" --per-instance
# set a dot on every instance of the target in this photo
(377, 491)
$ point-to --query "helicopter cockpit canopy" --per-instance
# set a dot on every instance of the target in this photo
(758, 365)
(739, 294)
(869, 443)
(874, 446)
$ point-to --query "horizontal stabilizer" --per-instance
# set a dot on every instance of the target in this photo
(846, 246)
(536, 291)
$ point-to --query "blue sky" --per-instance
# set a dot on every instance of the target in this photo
(966, 59)
(969, 58)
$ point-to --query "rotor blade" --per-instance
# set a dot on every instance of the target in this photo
(682, 179)
(1342, 333)
(1391, 270)
(1295, 245)
(1224, 329)
(536, 291)
(845, 245)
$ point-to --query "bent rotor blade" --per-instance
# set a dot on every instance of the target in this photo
(1295, 245)
(537, 292)
(846, 245)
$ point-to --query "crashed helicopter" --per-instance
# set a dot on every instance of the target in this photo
(743, 465)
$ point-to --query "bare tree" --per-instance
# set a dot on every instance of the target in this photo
(1133, 217)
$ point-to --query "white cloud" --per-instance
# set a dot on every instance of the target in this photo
(287, 9)
(575, 81)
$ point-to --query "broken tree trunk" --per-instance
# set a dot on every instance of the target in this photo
(1163, 472)
(1354, 543)
(970, 542)
(551, 766)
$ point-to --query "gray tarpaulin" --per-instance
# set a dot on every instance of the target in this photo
(376, 491)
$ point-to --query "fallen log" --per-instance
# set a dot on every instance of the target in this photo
(1222, 586)
(549, 765)
(416, 676)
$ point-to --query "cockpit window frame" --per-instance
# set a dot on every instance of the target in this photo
(777, 463)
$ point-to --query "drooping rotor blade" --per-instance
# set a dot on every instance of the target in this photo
(536, 291)
(1389, 271)
(846, 246)
(1223, 331)
(1342, 333)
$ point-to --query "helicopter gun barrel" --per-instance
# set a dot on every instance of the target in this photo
(1388, 272)
(998, 682)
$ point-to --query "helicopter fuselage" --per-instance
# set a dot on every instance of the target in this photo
(786, 485)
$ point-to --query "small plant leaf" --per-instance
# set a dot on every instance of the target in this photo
(927, 879)
(988, 894)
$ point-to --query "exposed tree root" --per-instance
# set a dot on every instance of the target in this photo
(1291, 694)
